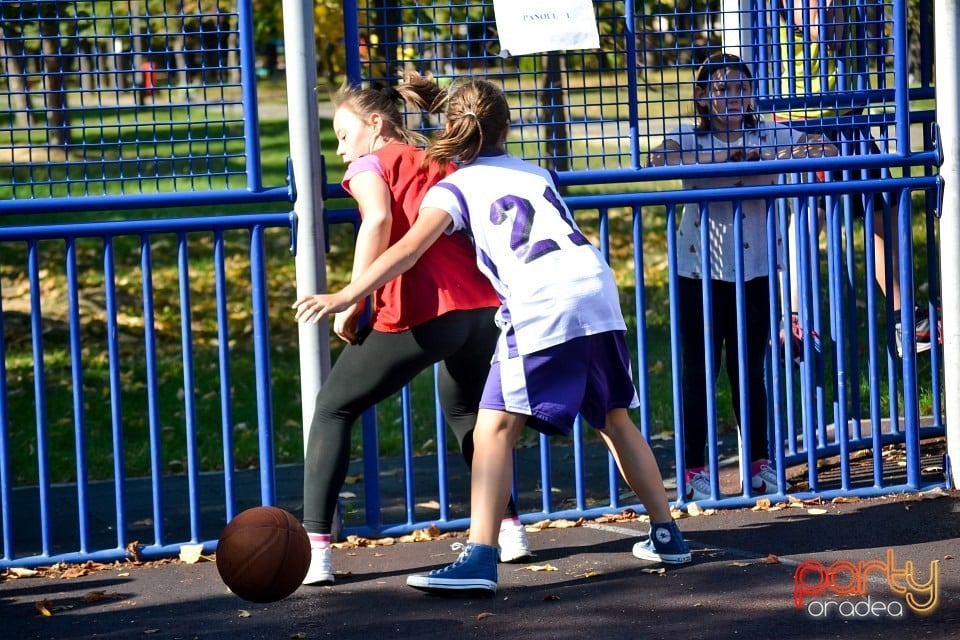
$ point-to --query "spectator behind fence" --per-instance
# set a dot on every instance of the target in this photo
(562, 348)
(442, 310)
(823, 53)
(726, 129)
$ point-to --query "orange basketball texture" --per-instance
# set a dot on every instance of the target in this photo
(263, 554)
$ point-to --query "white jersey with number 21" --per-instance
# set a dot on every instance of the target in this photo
(553, 283)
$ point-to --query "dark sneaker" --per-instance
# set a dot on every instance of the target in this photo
(665, 544)
(474, 573)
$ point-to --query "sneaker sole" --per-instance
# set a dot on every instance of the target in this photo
(453, 587)
(667, 558)
(516, 559)
(318, 582)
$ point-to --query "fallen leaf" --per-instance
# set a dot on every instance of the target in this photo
(539, 567)
(592, 573)
(75, 572)
(22, 572)
(772, 559)
(740, 564)
(763, 504)
(148, 632)
(191, 553)
(816, 512)
(484, 614)
(693, 509)
(44, 608)
(243, 613)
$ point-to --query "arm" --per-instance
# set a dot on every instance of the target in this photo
(430, 224)
(810, 146)
(829, 29)
(670, 153)
(374, 200)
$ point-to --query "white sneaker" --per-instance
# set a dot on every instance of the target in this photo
(321, 567)
(513, 542)
(765, 480)
(697, 487)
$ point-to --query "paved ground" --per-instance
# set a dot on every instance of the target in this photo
(583, 580)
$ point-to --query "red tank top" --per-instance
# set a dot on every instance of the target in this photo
(445, 278)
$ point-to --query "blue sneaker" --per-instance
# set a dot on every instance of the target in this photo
(474, 573)
(665, 544)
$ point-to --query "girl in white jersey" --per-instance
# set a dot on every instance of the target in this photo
(562, 348)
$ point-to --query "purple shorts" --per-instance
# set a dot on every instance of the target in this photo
(589, 375)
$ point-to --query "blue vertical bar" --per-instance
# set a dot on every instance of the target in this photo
(248, 88)
(6, 481)
(39, 396)
(441, 433)
(351, 40)
(633, 110)
(223, 355)
(261, 352)
(675, 362)
(189, 387)
(709, 366)
(546, 481)
(640, 311)
(410, 497)
(746, 419)
(578, 466)
(116, 390)
(775, 431)
(153, 390)
(76, 374)
(836, 296)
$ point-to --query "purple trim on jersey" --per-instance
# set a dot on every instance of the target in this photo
(461, 201)
(588, 375)
(556, 179)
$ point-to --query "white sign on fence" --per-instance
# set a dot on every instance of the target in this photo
(534, 26)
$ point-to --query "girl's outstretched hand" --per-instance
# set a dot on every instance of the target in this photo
(316, 307)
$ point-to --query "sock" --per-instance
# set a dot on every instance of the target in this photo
(512, 521)
(319, 540)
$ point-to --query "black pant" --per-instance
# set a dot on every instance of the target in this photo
(724, 312)
(376, 368)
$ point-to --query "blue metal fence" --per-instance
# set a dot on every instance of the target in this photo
(590, 115)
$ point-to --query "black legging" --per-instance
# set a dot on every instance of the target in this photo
(376, 368)
(757, 316)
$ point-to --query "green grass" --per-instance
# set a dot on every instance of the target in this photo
(284, 357)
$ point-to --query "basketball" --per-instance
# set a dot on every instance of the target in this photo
(263, 554)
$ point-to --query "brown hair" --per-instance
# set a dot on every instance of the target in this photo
(478, 118)
(417, 91)
(715, 64)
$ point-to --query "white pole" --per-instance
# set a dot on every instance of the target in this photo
(304, 127)
(947, 37)
(735, 28)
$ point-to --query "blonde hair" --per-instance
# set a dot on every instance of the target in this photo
(418, 92)
(478, 118)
